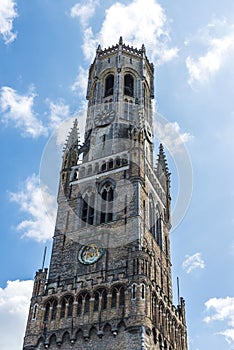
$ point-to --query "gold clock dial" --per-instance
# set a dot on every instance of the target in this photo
(90, 254)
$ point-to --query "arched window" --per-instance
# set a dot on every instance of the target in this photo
(114, 298)
(159, 231)
(54, 310)
(47, 311)
(104, 300)
(67, 302)
(121, 297)
(109, 85)
(100, 298)
(96, 301)
(107, 198)
(70, 306)
(63, 308)
(87, 208)
(142, 291)
(118, 161)
(86, 305)
(79, 305)
(134, 291)
(128, 85)
(103, 167)
(110, 164)
(152, 217)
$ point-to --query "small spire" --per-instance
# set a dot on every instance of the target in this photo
(162, 166)
(121, 40)
(73, 138)
(143, 48)
(99, 49)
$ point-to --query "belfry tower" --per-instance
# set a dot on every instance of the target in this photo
(109, 284)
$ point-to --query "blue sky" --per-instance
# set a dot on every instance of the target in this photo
(46, 47)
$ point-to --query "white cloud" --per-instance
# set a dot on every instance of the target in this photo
(218, 38)
(8, 13)
(58, 113)
(141, 21)
(80, 83)
(170, 134)
(193, 262)
(40, 208)
(17, 110)
(84, 11)
(222, 310)
(14, 306)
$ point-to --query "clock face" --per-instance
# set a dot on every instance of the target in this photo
(90, 254)
(148, 132)
(104, 118)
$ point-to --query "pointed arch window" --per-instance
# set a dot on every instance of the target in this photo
(63, 308)
(96, 301)
(134, 290)
(109, 85)
(142, 291)
(114, 298)
(70, 301)
(54, 310)
(107, 199)
(121, 297)
(159, 231)
(152, 217)
(47, 311)
(79, 305)
(104, 300)
(100, 300)
(86, 304)
(87, 208)
(128, 85)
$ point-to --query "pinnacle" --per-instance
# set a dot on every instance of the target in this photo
(73, 137)
(162, 162)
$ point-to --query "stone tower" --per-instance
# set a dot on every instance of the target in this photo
(109, 283)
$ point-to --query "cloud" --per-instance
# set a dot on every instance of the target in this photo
(169, 133)
(8, 13)
(84, 11)
(222, 309)
(59, 112)
(39, 224)
(80, 83)
(17, 110)
(63, 130)
(14, 306)
(193, 262)
(140, 21)
(218, 38)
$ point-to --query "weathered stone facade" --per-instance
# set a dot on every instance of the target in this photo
(109, 283)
